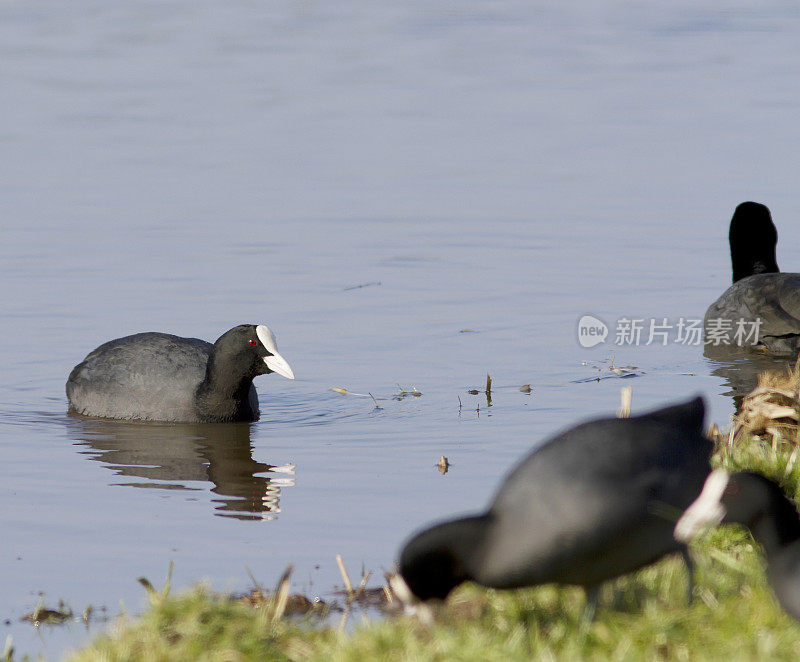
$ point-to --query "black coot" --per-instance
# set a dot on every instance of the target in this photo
(160, 377)
(760, 505)
(598, 501)
(761, 310)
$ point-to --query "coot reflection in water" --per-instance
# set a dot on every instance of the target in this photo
(740, 370)
(173, 455)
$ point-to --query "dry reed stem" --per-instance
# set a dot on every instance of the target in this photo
(626, 394)
(771, 411)
(347, 583)
(282, 594)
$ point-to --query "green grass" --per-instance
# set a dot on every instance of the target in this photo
(644, 616)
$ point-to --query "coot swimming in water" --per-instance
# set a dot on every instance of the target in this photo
(161, 377)
(761, 310)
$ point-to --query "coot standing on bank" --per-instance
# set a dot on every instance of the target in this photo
(595, 502)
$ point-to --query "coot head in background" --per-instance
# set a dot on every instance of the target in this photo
(161, 377)
(752, 238)
(595, 502)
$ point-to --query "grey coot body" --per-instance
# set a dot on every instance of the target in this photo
(760, 505)
(595, 502)
(759, 290)
(161, 377)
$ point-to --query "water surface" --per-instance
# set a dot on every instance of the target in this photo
(186, 167)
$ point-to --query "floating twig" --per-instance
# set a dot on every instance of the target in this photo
(343, 391)
(402, 393)
(42, 614)
(358, 287)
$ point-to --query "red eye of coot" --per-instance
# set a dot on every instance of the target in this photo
(251, 342)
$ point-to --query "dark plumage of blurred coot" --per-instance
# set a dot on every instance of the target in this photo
(760, 505)
(760, 294)
(595, 502)
(161, 377)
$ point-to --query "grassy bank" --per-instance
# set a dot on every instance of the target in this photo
(643, 616)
